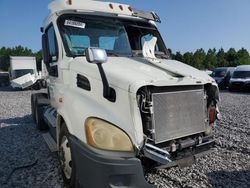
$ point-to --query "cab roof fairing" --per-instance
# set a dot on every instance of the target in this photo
(57, 7)
(89, 5)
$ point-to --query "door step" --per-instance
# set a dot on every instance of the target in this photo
(50, 142)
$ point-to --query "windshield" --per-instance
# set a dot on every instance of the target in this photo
(118, 37)
(22, 72)
(241, 74)
(219, 73)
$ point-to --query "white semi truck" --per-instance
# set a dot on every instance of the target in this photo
(116, 101)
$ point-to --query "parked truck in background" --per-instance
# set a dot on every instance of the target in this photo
(23, 73)
(222, 75)
(240, 79)
(116, 101)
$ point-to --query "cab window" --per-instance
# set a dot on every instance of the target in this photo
(52, 50)
(52, 43)
(107, 42)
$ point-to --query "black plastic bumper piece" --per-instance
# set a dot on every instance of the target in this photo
(94, 170)
(190, 157)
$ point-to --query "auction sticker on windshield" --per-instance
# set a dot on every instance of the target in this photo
(74, 24)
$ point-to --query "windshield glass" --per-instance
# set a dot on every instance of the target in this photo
(22, 72)
(219, 73)
(241, 74)
(118, 37)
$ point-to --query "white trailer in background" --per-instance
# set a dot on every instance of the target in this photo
(23, 72)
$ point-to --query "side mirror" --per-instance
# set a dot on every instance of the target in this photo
(45, 47)
(99, 56)
(96, 55)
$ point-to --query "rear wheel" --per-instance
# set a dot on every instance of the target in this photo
(40, 123)
(32, 101)
(66, 159)
(34, 97)
(38, 102)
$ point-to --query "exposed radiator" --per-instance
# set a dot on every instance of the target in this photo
(178, 114)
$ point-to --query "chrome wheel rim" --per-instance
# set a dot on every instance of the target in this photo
(66, 159)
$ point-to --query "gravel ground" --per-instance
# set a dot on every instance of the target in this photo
(25, 159)
(27, 162)
(229, 165)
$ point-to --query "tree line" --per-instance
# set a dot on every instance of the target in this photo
(213, 58)
(199, 59)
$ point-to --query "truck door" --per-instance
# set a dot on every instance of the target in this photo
(52, 64)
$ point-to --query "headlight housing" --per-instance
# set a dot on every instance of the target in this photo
(103, 135)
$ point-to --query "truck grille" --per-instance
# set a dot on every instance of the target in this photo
(178, 114)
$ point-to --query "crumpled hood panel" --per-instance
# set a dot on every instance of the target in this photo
(127, 73)
(137, 72)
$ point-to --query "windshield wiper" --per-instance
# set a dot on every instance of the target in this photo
(78, 55)
(163, 56)
(119, 55)
(113, 54)
(138, 53)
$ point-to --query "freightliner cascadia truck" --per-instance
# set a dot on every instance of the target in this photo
(117, 104)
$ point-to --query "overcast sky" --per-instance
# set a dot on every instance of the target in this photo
(186, 24)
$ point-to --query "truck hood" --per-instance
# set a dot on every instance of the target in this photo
(137, 72)
(132, 73)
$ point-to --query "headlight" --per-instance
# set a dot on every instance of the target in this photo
(103, 135)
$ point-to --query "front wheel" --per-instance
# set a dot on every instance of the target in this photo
(32, 101)
(66, 159)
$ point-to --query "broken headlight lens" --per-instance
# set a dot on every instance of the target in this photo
(103, 135)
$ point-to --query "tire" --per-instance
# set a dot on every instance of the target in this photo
(32, 101)
(66, 160)
(40, 123)
(34, 97)
(39, 101)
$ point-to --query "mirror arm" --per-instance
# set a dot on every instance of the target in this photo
(106, 88)
(108, 92)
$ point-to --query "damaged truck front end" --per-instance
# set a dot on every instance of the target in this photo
(177, 122)
(116, 101)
